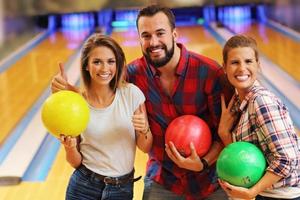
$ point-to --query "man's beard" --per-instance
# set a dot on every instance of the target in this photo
(160, 62)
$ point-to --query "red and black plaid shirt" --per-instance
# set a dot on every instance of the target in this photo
(196, 91)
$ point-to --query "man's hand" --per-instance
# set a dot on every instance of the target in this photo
(192, 162)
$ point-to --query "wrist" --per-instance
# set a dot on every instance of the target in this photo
(145, 131)
(225, 137)
(255, 190)
(70, 148)
(204, 164)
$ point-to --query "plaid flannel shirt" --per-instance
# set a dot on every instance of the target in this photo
(265, 122)
(197, 89)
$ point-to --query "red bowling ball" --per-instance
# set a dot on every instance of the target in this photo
(186, 129)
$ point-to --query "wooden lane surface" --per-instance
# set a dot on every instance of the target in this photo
(199, 40)
(281, 49)
(24, 82)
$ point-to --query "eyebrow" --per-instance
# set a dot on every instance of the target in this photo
(111, 58)
(158, 30)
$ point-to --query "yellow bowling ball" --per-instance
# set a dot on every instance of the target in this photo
(65, 112)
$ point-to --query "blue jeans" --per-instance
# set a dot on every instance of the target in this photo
(155, 191)
(83, 186)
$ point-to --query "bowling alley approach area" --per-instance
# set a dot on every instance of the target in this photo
(35, 36)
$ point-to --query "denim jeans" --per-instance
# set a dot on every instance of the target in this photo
(155, 191)
(83, 186)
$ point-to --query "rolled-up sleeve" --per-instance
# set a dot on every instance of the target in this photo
(277, 128)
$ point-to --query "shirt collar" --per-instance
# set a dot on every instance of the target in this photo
(250, 94)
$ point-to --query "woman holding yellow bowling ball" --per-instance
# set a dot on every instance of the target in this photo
(257, 116)
(104, 153)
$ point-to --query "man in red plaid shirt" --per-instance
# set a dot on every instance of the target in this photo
(176, 82)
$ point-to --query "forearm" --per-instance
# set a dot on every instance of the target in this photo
(265, 182)
(144, 141)
(226, 138)
(73, 156)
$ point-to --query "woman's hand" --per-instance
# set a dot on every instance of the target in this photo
(60, 81)
(143, 133)
(227, 119)
(140, 121)
(68, 141)
(237, 192)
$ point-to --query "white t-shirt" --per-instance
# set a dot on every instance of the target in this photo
(108, 144)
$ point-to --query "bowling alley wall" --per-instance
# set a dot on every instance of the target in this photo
(285, 12)
(19, 16)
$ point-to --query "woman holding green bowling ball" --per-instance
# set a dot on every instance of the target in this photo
(104, 153)
(257, 116)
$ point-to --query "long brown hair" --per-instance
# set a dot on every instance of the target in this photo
(98, 40)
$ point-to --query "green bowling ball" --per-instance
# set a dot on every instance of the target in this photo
(241, 164)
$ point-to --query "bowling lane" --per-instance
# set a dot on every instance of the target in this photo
(198, 39)
(281, 49)
(24, 81)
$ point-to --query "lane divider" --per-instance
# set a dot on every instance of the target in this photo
(24, 148)
(23, 50)
(45, 155)
(284, 30)
(40, 165)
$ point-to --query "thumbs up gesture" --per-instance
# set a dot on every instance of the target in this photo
(139, 120)
(60, 81)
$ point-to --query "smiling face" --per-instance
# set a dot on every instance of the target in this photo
(241, 68)
(102, 62)
(102, 65)
(157, 38)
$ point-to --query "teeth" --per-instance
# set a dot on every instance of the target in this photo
(155, 50)
(242, 77)
(104, 75)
